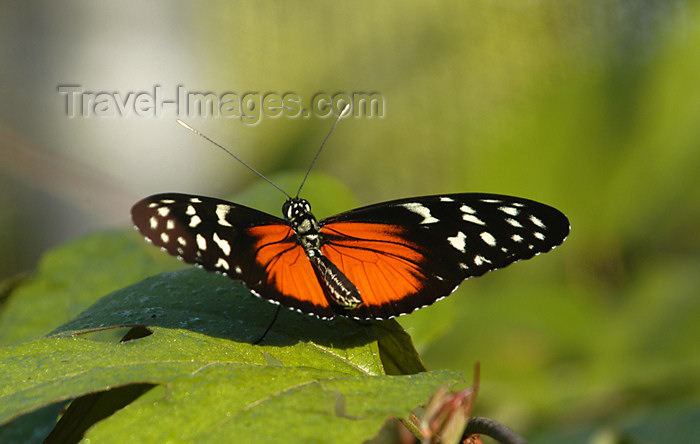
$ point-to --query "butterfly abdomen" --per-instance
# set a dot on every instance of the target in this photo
(339, 290)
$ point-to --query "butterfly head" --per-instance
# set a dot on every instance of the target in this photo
(296, 209)
(297, 212)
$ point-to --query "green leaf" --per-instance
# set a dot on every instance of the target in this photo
(33, 427)
(212, 390)
(221, 308)
(73, 276)
(214, 305)
(399, 357)
(89, 409)
(212, 380)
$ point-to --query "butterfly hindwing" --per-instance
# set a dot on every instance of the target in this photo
(408, 253)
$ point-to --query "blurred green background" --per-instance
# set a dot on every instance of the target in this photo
(590, 106)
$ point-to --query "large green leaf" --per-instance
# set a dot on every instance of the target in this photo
(220, 308)
(213, 388)
(212, 379)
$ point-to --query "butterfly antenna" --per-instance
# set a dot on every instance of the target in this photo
(234, 156)
(342, 113)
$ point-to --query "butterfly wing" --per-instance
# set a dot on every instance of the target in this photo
(243, 243)
(406, 254)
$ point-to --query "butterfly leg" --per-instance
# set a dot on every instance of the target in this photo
(267, 330)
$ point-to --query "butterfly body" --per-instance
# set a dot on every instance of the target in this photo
(374, 262)
(337, 288)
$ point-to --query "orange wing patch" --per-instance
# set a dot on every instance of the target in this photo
(378, 259)
(290, 275)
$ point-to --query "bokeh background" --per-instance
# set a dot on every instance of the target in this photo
(590, 106)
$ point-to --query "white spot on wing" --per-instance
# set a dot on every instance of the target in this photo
(167, 201)
(164, 237)
(539, 235)
(491, 200)
(488, 238)
(221, 263)
(458, 241)
(511, 211)
(181, 240)
(517, 238)
(514, 223)
(163, 211)
(238, 270)
(421, 210)
(195, 200)
(473, 219)
(201, 242)
(467, 209)
(446, 199)
(537, 222)
(190, 210)
(154, 222)
(152, 205)
(223, 244)
(195, 220)
(169, 224)
(480, 260)
(221, 212)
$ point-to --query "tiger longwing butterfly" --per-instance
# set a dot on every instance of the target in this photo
(374, 262)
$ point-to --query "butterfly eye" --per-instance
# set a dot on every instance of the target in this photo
(287, 210)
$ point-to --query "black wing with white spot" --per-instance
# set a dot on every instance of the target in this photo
(208, 232)
(409, 253)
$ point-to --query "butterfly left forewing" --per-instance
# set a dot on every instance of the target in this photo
(237, 241)
(201, 230)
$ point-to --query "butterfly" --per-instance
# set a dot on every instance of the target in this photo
(374, 262)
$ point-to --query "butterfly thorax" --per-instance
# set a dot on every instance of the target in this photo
(298, 213)
(339, 290)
